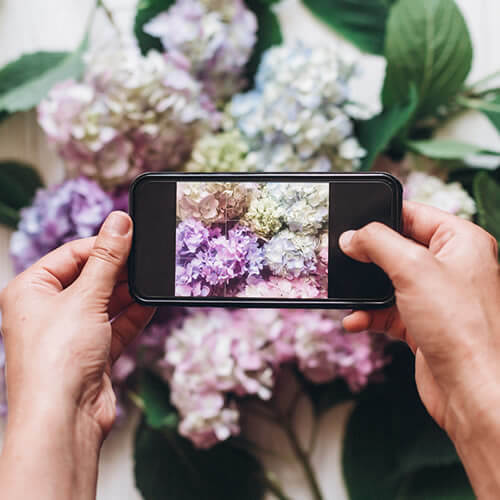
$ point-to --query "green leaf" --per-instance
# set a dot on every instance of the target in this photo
(18, 184)
(268, 33)
(427, 44)
(168, 466)
(444, 483)
(376, 134)
(28, 80)
(8, 216)
(447, 149)
(326, 396)
(487, 195)
(380, 452)
(493, 116)
(147, 10)
(362, 22)
(155, 395)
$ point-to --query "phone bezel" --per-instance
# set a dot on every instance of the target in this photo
(384, 177)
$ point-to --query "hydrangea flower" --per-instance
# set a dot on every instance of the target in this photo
(131, 113)
(274, 287)
(216, 38)
(431, 190)
(213, 202)
(299, 117)
(291, 255)
(208, 261)
(224, 152)
(71, 210)
(3, 386)
(215, 356)
(305, 206)
(264, 216)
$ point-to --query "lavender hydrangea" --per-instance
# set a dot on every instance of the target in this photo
(215, 37)
(3, 386)
(71, 210)
(291, 255)
(131, 113)
(299, 116)
(208, 261)
(215, 356)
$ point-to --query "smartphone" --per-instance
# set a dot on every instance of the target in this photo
(258, 240)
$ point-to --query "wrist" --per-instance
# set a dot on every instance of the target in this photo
(57, 444)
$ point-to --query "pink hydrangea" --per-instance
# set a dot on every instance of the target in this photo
(275, 287)
(213, 357)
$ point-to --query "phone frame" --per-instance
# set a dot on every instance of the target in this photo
(298, 177)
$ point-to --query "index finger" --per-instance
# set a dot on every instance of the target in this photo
(64, 264)
(420, 222)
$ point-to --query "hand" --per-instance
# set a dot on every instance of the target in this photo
(447, 281)
(65, 321)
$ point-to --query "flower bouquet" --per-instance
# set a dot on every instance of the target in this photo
(209, 85)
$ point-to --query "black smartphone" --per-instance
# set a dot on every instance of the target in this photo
(258, 240)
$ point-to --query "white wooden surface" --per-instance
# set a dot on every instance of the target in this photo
(30, 25)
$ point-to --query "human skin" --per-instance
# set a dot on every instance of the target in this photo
(446, 275)
(60, 345)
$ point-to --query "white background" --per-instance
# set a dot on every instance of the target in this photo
(31, 25)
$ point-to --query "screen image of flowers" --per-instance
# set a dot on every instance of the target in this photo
(252, 240)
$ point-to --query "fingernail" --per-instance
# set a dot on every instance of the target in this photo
(117, 224)
(345, 238)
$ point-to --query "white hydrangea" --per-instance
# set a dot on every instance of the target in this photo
(290, 254)
(431, 190)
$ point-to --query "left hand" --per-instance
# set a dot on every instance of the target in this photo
(66, 320)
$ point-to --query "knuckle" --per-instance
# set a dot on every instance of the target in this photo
(107, 254)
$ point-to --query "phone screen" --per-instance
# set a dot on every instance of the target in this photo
(249, 239)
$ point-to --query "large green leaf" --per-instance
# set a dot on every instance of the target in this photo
(447, 149)
(491, 113)
(147, 10)
(268, 33)
(390, 436)
(168, 466)
(487, 195)
(155, 395)
(443, 483)
(18, 183)
(362, 22)
(427, 44)
(26, 81)
(376, 134)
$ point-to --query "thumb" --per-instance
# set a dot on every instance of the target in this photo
(402, 259)
(108, 256)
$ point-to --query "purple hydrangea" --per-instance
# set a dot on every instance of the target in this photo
(215, 37)
(74, 209)
(208, 260)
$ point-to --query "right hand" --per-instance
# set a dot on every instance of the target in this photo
(447, 281)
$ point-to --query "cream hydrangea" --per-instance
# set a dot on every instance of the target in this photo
(212, 202)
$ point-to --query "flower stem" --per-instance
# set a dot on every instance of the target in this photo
(274, 487)
(109, 14)
(303, 459)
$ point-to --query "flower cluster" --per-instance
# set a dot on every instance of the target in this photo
(299, 117)
(224, 152)
(74, 209)
(214, 356)
(290, 254)
(209, 261)
(272, 232)
(213, 202)
(131, 113)
(215, 37)
(3, 387)
(431, 190)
